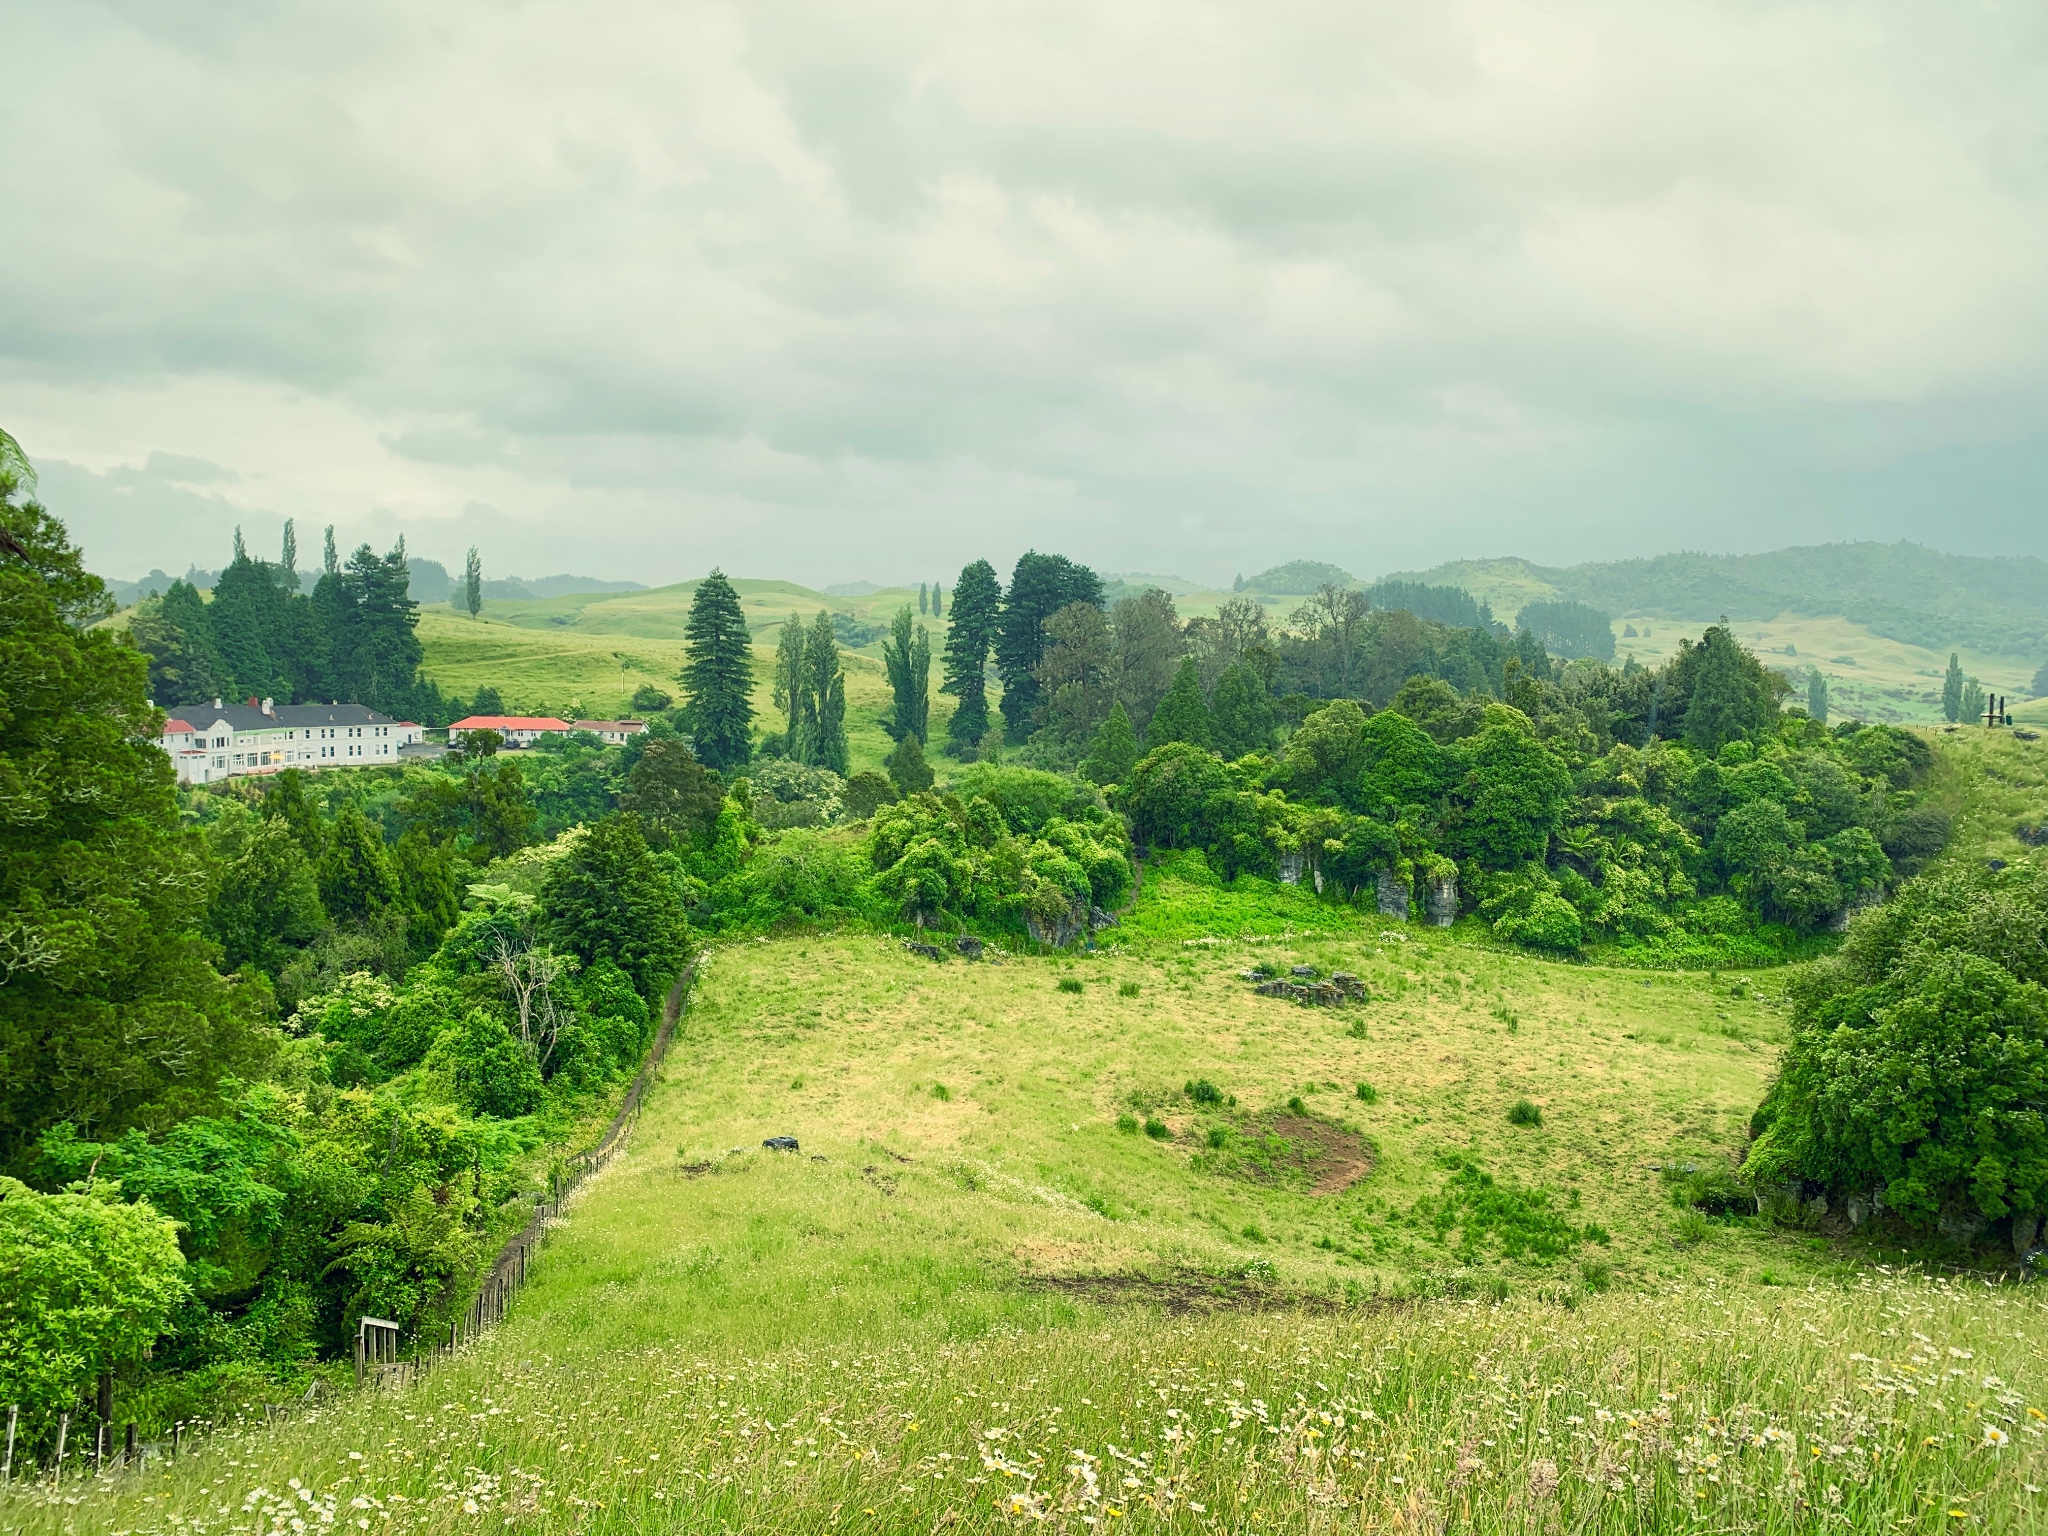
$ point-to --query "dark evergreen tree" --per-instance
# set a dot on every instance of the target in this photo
(251, 627)
(488, 701)
(1183, 715)
(265, 901)
(173, 632)
(718, 679)
(1114, 752)
(1816, 695)
(1729, 695)
(676, 797)
(376, 656)
(1040, 586)
(923, 598)
(289, 798)
(908, 770)
(907, 658)
(977, 604)
(111, 1015)
(937, 610)
(611, 899)
(1242, 712)
(356, 877)
(1952, 689)
(473, 583)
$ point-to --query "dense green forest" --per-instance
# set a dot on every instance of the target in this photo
(281, 1052)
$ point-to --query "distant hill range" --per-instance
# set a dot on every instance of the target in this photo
(1906, 592)
(431, 583)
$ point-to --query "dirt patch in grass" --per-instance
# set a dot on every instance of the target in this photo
(1295, 1151)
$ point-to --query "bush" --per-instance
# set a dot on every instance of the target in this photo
(1919, 1058)
(1128, 1124)
(1070, 984)
(1204, 1092)
(1367, 1094)
(1156, 1128)
(1522, 1112)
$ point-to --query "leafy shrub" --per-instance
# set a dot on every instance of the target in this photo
(1919, 1057)
(1156, 1128)
(1203, 1092)
(792, 794)
(1524, 1113)
(1219, 1137)
(1367, 1094)
(1127, 1123)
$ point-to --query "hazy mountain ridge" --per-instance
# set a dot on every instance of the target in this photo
(1904, 591)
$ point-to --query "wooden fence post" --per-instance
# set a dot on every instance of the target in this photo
(130, 1451)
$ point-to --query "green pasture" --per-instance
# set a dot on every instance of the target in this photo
(1108, 1241)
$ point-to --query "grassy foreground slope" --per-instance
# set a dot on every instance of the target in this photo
(974, 1301)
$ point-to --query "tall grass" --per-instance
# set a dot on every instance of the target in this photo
(1896, 1404)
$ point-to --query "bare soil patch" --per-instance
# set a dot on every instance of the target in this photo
(1298, 1151)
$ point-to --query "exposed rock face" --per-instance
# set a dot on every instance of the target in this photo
(2024, 1230)
(1959, 1223)
(1057, 935)
(929, 951)
(1392, 896)
(1349, 985)
(1291, 865)
(1440, 900)
(968, 945)
(1099, 919)
(1310, 994)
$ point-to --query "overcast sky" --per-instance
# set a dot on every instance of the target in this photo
(867, 290)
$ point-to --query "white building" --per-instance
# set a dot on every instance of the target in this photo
(221, 741)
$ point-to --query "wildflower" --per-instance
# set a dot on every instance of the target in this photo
(1994, 1437)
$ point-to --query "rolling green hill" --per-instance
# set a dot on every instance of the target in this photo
(1903, 592)
(1027, 1268)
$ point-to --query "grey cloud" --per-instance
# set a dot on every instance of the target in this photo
(1369, 281)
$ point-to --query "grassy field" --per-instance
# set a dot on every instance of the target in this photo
(1019, 1275)
(570, 672)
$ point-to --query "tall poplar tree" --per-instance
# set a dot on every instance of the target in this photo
(1952, 689)
(977, 603)
(1817, 695)
(473, 583)
(718, 678)
(908, 659)
(791, 695)
(826, 682)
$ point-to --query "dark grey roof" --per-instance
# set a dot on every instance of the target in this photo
(247, 717)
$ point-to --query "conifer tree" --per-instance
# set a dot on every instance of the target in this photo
(1242, 712)
(977, 599)
(1114, 752)
(473, 583)
(718, 678)
(908, 660)
(1817, 695)
(1183, 715)
(923, 598)
(1040, 586)
(1952, 689)
(908, 770)
(356, 877)
(937, 611)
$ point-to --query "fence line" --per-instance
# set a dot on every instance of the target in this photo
(377, 1358)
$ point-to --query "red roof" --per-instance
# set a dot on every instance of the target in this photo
(510, 723)
(174, 726)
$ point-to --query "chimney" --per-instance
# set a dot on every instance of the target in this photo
(216, 704)
(266, 707)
